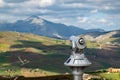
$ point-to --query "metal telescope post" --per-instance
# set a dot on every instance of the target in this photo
(77, 60)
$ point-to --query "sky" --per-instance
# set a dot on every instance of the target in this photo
(87, 14)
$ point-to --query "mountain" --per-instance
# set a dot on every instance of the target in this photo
(39, 26)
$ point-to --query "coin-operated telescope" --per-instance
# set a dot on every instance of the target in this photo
(77, 61)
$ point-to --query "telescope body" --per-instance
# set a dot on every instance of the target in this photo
(77, 60)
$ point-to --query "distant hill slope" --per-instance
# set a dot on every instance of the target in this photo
(112, 36)
(39, 26)
(48, 54)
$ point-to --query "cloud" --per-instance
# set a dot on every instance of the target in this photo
(82, 19)
(94, 11)
(25, 13)
(37, 3)
(73, 5)
(14, 1)
(27, 8)
(11, 18)
(102, 20)
(28, 3)
(2, 3)
(108, 7)
(31, 11)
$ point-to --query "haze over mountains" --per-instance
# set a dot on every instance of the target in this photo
(39, 26)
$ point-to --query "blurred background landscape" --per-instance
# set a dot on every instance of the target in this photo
(34, 36)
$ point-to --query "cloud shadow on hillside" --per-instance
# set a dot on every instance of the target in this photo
(52, 61)
(57, 54)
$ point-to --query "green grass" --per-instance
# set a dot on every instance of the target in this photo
(91, 44)
(111, 76)
(4, 47)
(105, 75)
(10, 71)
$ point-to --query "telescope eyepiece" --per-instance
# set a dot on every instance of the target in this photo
(77, 42)
(81, 41)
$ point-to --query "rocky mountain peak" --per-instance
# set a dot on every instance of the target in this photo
(35, 20)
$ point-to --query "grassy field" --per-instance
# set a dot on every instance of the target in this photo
(43, 53)
(111, 76)
(44, 56)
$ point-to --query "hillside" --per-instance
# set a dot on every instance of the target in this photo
(33, 55)
(110, 34)
(104, 37)
(47, 55)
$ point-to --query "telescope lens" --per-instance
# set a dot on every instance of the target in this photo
(81, 41)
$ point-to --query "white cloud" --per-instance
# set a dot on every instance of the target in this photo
(108, 7)
(94, 11)
(2, 3)
(30, 7)
(31, 11)
(67, 21)
(111, 24)
(82, 19)
(102, 20)
(10, 18)
(38, 3)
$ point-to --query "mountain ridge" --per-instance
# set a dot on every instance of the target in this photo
(39, 26)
